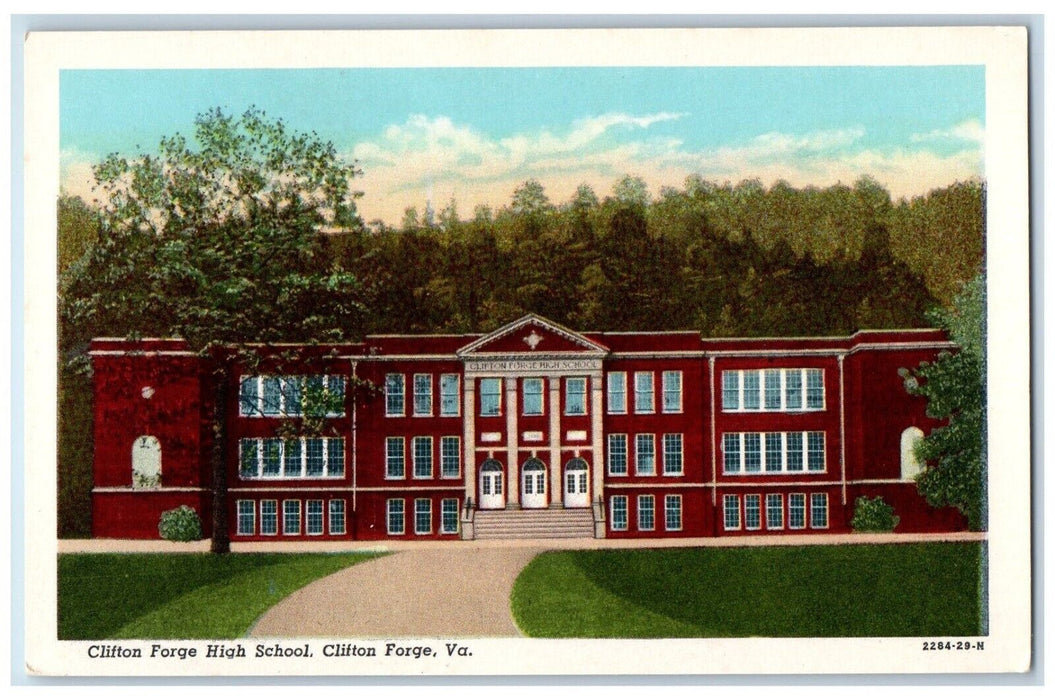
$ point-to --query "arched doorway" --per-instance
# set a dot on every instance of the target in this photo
(146, 462)
(576, 484)
(492, 487)
(910, 466)
(533, 484)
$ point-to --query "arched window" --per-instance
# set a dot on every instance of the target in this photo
(910, 466)
(146, 462)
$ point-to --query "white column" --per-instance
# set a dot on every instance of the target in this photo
(469, 438)
(597, 430)
(513, 456)
(556, 491)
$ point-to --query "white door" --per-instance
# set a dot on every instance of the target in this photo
(576, 486)
(492, 487)
(533, 484)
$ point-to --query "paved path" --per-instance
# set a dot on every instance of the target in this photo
(451, 592)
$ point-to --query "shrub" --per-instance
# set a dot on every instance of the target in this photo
(180, 525)
(873, 515)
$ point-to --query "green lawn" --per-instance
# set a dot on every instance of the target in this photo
(179, 596)
(894, 590)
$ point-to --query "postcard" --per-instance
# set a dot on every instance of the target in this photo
(527, 352)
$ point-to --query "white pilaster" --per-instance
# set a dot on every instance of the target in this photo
(469, 438)
(556, 491)
(513, 457)
(597, 433)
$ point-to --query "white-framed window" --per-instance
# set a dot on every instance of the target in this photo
(672, 512)
(490, 396)
(395, 516)
(395, 458)
(731, 512)
(296, 458)
(282, 396)
(644, 454)
(752, 452)
(533, 397)
(672, 391)
(422, 394)
(269, 517)
(815, 451)
(644, 392)
(449, 516)
(313, 511)
(773, 390)
(774, 511)
(423, 516)
(617, 392)
(422, 451)
(814, 389)
(620, 520)
(673, 454)
(796, 511)
(753, 512)
(395, 395)
(575, 396)
(646, 512)
(773, 453)
(450, 401)
(617, 454)
(751, 387)
(795, 456)
(819, 511)
(338, 517)
(246, 518)
(450, 457)
(290, 517)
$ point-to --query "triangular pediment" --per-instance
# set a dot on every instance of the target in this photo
(533, 334)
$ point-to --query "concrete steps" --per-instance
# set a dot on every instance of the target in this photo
(541, 523)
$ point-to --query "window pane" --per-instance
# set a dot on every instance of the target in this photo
(422, 394)
(751, 390)
(314, 509)
(272, 405)
(335, 457)
(272, 457)
(449, 516)
(774, 511)
(731, 390)
(314, 395)
(575, 396)
(731, 511)
(752, 512)
(752, 452)
(393, 394)
(794, 452)
(337, 517)
(395, 516)
(450, 457)
(291, 462)
(644, 396)
(815, 451)
(645, 462)
(619, 515)
(249, 397)
(731, 445)
(268, 517)
(671, 392)
(395, 466)
(291, 517)
(532, 397)
(617, 392)
(314, 463)
(672, 454)
(490, 397)
(772, 379)
(646, 513)
(814, 388)
(797, 511)
(422, 516)
(250, 465)
(774, 452)
(246, 518)
(672, 512)
(793, 389)
(617, 454)
(449, 398)
(335, 395)
(422, 457)
(819, 510)
(291, 388)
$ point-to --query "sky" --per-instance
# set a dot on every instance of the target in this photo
(472, 135)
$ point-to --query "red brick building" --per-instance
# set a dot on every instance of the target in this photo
(532, 430)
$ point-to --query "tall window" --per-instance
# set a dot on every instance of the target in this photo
(316, 456)
(617, 392)
(617, 454)
(774, 452)
(793, 391)
(272, 454)
(449, 516)
(449, 400)
(731, 451)
(337, 517)
(794, 443)
(672, 454)
(394, 516)
(752, 512)
(819, 510)
(672, 392)
(246, 518)
(752, 452)
(730, 390)
(533, 397)
(450, 457)
(423, 457)
(772, 389)
(268, 517)
(774, 511)
(646, 512)
(797, 511)
(314, 517)
(672, 512)
(290, 517)
(272, 404)
(815, 451)
(491, 396)
(731, 512)
(619, 515)
(644, 393)
(751, 400)
(645, 454)
(395, 398)
(814, 389)
(575, 396)
(395, 458)
(422, 394)
(422, 516)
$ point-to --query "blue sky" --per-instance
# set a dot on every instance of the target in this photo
(473, 134)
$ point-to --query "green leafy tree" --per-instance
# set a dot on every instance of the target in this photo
(955, 388)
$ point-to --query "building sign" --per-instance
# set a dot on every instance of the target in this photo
(571, 364)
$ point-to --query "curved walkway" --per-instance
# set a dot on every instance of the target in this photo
(453, 592)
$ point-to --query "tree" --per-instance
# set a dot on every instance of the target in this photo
(217, 241)
(955, 389)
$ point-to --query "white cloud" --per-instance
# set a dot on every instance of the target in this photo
(969, 131)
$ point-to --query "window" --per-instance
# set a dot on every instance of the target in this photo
(815, 451)
(249, 396)
(774, 452)
(672, 512)
(286, 395)
(297, 458)
(774, 511)
(394, 516)
(422, 394)
(491, 397)
(449, 399)
(272, 403)
(730, 391)
(422, 447)
(268, 517)
(731, 450)
(337, 517)
(797, 511)
(617, 392)
(575, 396)
(272, 465)
(316, 457)
(395, 458)
(290, 517)
(814, 389)
(314, 517)
(772, 390)
(619, 515)
(449, 516)
(644, 394)
(794, 444)
(394, 395)
(246, 518)
(335, 456)
(751, 388)
(532, 397)
(752, 512)
(731, 512)
(819, 510)
(292, 463)
(646, 512)
(752, 452)
(781, 452)
(645, 455)
(672, 454)
(617, 455)
(422, 516)
(450, 457)
(793, 391)
(672, 392)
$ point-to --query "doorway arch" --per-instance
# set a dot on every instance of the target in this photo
(576, 484)
(533, 484)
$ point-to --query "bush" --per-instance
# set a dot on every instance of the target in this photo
(180, 525)
(873, 515)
